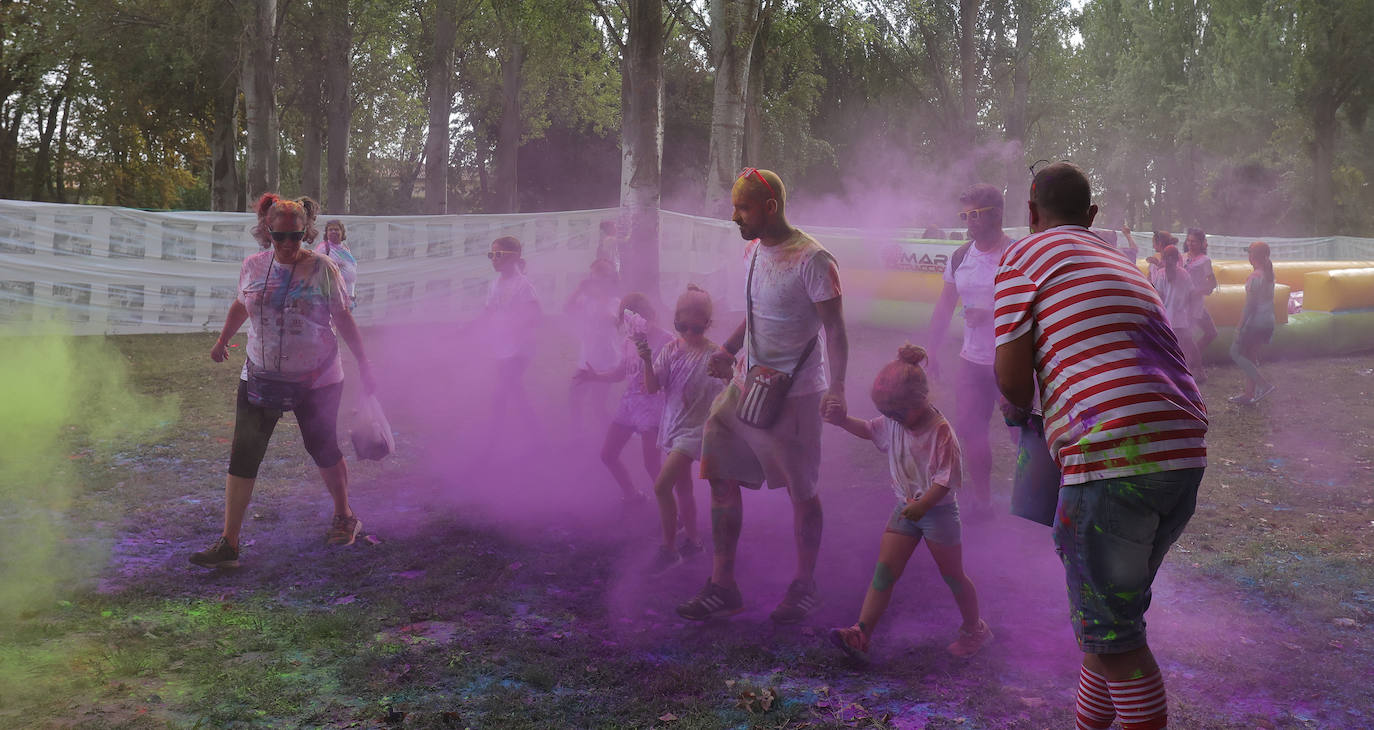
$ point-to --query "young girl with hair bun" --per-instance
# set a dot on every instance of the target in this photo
(923, 458)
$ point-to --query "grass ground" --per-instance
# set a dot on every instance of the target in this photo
(499, 587)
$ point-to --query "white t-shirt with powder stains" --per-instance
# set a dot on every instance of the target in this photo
(919, 461)
(789, 280)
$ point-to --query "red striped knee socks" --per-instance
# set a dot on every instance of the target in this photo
(1095, 710)
(1141, 702)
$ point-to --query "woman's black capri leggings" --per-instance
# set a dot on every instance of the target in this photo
(317, 416)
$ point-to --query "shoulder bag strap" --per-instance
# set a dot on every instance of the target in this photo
(749, 316)
(749, 306)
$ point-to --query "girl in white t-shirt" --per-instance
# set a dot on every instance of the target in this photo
(594, 309)
(679, 372)
(1175, 287)
(923, 457)
(511, 321)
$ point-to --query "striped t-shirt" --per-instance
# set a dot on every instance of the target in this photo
(1117, 396)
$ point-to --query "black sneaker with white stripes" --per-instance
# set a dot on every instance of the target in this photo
(799, 602)
(714, 601)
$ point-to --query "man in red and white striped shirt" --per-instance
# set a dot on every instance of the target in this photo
(1124, 420)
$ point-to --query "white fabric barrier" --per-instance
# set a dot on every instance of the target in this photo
(123, 271)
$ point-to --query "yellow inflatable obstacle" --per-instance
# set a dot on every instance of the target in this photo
(1339, 290)
(1338, 300)
(1228, 301)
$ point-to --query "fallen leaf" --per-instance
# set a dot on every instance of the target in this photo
(373, 539)
(516, 565)
(667, 717)
(1345, 623)
(341, 600)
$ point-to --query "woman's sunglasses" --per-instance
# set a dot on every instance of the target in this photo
(684, 328)
(493, 255)
(280, 236)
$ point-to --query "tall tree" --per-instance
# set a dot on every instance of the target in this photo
(260, 97)
(734, 27)
(338, 51)
(1333, 75)
(439, 88)
(639, 257)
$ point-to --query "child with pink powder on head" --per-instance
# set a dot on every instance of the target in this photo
(679, 371)
(924, 460)
(639, 411)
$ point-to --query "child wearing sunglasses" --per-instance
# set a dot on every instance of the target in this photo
(679, 371)
(923, 458)
(511, 318)
(639, 412)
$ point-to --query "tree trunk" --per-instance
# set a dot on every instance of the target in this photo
(59, 180)
(753, 107)
(639, 254)
(9, 147)
(440, 82)
(1017, 112)
(312, 158)
(511, 129)
(734, 24)
(1324, 126)
(224, 175)
(226, 187)
(42, 162)
(627, 127)
(338, 45)
(968, 72)
(259, 93)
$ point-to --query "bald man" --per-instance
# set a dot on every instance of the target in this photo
(793, 293)
(1125, 422)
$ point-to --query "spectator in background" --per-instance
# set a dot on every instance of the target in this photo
(1127, 246)
(1204, 281)
(334, 247)
(1257, 324)
(594, 308)
(1175, 288)
(608, 242)
(1124, 421)
(970, 279)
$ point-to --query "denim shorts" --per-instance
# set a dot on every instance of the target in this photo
(940, 524)
(1112, 535)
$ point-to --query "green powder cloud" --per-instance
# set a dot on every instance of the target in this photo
(58, 394)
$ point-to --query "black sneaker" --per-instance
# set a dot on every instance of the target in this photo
(713, 601)
(220, 555)
(664, 559)
(688, 548)
(799, 602)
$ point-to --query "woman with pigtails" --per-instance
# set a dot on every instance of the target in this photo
(293, 300)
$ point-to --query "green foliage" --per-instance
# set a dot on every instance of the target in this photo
(1184, 112)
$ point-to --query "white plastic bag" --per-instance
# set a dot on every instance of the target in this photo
(371, 433)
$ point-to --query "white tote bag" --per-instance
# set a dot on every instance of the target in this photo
(372, 439)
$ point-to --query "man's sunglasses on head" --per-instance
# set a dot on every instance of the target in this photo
(755, 172)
